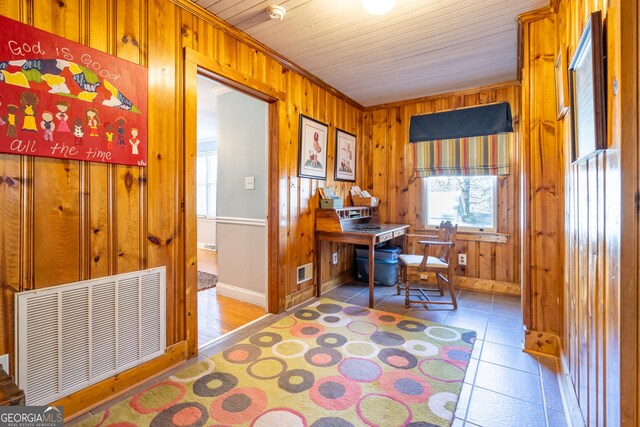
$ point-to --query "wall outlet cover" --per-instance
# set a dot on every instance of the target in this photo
(335, 258)
(462, 259)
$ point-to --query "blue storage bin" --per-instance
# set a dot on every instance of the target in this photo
(386, 253)
(386, 271)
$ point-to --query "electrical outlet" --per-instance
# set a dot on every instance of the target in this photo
(462, 259)
(335, 258)
(4, 361)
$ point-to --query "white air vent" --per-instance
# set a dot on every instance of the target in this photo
(305, 272)
(210, 246)
(72, 336)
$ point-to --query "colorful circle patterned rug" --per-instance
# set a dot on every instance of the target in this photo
(329, 364)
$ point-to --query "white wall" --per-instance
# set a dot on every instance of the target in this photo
(242, 151)
(206, 233)
(241, 213)
(242, 260)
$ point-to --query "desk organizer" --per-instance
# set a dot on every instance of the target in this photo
(365, 201)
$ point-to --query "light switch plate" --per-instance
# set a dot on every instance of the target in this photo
(249, 183)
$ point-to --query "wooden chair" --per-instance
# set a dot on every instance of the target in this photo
(438, 257)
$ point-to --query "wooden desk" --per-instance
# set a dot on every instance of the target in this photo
(346, 231)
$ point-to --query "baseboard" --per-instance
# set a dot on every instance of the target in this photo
(84, 400)
(542, 342)
(486, 285)
(206, 246)
(241, 294)
(341, 279)
(570, 399)
(298, 297)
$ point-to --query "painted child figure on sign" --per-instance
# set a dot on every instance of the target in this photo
(134, 141)
(120, 121)
(62, 117)
(108, 134)
(78, 132)
(313, 154)
(47, 126)
(2, 122)
(93, 121)
(10, 119)
(29, 101)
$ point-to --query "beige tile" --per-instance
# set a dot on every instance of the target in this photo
(507, 305)
(505, 322)
(487, 408)
(463, 401)
(472, 368)
(556, 419)
(511, 337)
(466, 315)
(552, 396)
(477, 349)
(511, 382)
(426, 313)
(479, 301)
(510, 357)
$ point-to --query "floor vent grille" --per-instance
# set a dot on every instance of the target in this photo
(75, 335)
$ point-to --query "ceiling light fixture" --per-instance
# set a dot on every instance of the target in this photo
(378, 7)
(276, 13)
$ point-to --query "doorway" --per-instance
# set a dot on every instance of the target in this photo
(231, 208)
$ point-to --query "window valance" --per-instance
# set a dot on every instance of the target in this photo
(463, 123)
(470, 141)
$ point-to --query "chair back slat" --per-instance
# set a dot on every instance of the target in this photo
(446, 233)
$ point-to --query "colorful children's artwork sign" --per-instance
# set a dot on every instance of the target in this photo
(65, 100)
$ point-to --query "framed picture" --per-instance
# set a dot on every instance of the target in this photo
(345, 156)
(312, 149)
(562, 88)
(587, 93)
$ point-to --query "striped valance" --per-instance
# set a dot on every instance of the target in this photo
(478, 155)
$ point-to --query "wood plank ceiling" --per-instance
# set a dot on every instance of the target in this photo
(420, 48)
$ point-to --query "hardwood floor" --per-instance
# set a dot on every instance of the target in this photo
(208, 261)
(218, 314)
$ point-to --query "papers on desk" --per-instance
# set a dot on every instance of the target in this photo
(365, 227)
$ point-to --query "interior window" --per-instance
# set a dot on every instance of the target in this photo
(469, 201)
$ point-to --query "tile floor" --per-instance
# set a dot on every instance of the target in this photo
(504, 386)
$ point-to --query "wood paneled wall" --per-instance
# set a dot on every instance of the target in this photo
(597, 283)
(63, 221)
(391, 179)
(542, 171)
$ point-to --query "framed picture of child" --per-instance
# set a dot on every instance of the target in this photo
(345, 169)
(312, 149)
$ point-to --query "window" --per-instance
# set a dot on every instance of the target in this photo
(206, 183)
(469, 201)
